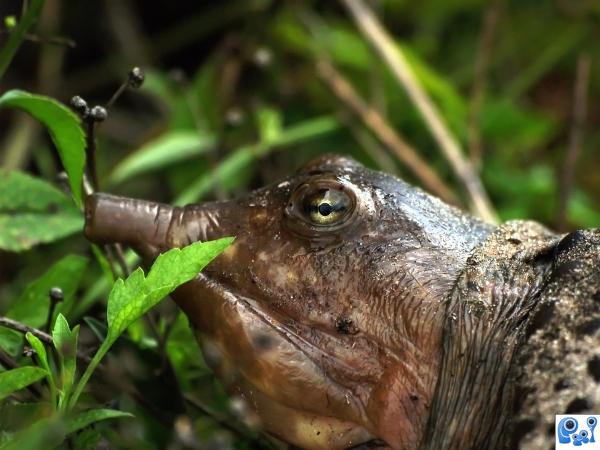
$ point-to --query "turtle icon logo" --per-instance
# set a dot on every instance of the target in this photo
(577, 430)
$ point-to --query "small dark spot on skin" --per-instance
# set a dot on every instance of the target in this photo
(540, 318)
(521, 429)
(562, 384)
(414, 398)
(472, 286)
(578, 405)
(263, 341)
(594, 368)
(345, 325)
(589, 327)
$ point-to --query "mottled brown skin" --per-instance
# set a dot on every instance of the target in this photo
(383, 326)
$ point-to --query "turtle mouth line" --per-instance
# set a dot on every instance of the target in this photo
(252, 306)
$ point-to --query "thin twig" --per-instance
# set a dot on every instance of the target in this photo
(42, 336)
(90, 153)
(395, 59)
(385, 133)
(491, 17)
(580, 106)
(22, 328)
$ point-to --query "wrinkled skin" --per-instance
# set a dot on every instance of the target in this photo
(335, 333)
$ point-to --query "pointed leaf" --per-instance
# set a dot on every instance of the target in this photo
(65, 342)
(87, 418)
(168, 149)
(132, 298)
(63, 126)
(15, 379)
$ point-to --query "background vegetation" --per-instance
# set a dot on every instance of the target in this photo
(236, 95)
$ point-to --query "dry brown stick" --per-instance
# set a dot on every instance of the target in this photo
(491, 17)
(580, 100)
(384, 132)
(372, 29)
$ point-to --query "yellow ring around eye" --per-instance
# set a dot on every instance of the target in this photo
(326, 206)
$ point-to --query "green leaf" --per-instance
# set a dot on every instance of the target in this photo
(15, 379)
(33, 304)
(17, 35)
(65, 342)
(170, 148)
(269, 124)
(42, 356)
(33, 212)
(64, 128)
(234, 163)
(85, 419)
(130, 299)
(44, 434)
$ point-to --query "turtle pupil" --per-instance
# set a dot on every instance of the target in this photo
(325, 209)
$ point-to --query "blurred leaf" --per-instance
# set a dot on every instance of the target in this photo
(270, 124)
(15, 379)
(64, 129)
(582, 211)
(184, 351)
(65, 342)
(515, 127)
(170, 148)
(132, 298)
(229, 168)
(44, 434)
(33, 304)
(42, 357)
(17, 35)
(103, 263)
(33, 212)
(88, 439)
(87, 418)
(558, 47)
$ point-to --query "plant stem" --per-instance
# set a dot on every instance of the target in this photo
(380, 39)
(18, 34)
(88, 373)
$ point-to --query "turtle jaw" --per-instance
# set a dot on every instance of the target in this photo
(263, 361)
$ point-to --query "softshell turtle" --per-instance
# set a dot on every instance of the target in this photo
(354, 310)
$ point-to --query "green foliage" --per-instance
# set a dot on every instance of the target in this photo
(15, 379)
(87, 418)
(64, 129)
(18, 32)
(230, 167)
(130, 299)
(168, 149)
(65, 343)
(32, 306)
(33, 212)
(247, 109)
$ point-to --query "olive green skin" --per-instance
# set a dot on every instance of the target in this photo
(335, 333)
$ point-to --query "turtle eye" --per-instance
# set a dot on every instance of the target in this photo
(326, 206)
